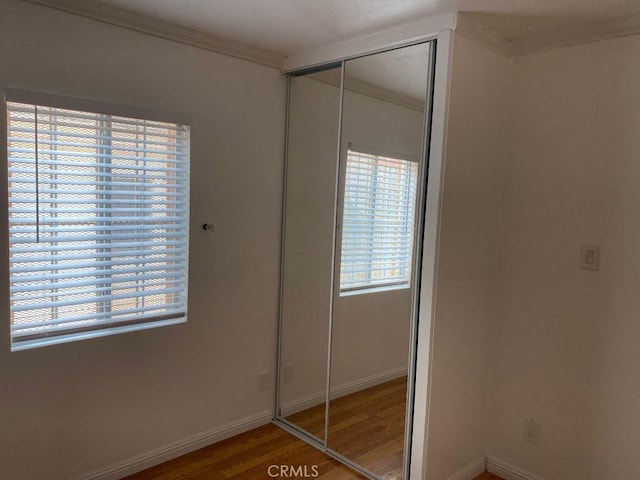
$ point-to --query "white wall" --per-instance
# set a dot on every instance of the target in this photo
(566, 347)
(69, 409)
(470, 203)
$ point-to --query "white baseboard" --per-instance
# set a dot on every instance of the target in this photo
(342, 390)
(181, 447)
(471, 471)
(367, 382)
(295, 406)
(508, 471)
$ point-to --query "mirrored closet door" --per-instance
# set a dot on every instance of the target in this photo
(354, 198)
(307, 257)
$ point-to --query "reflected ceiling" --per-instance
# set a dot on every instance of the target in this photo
(399, 76)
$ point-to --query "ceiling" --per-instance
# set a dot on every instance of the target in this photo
(286, 27)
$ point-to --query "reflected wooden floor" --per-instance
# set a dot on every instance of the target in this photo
(310, 420)
(366, 426)
(248, 457)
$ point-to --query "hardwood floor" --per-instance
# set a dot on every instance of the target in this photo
(487, 476)
(250, 455)
(310, 420)
(367, 426)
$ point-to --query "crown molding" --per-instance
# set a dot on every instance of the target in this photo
(581, 34)
(159, 28)
(397, 36)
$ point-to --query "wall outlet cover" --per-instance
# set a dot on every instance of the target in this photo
(531, 431)
(289, 373)
(263, 381)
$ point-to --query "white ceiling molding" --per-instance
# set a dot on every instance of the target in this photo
(479, 32)
(159, 28)
(383, 94)
(372, 43)
(397, 36)
(577, 35)
(373, 91)
(587, 33)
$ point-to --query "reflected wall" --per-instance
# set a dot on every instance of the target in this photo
(314, 110)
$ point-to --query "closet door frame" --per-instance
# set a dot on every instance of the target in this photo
(425, 273)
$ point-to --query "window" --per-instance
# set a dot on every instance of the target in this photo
(378, 222)
(98, 220)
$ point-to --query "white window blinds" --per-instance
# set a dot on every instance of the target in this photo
(98, 223)
(378, 221)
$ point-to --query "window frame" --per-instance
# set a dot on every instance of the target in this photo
(41, 99)
(380, 152)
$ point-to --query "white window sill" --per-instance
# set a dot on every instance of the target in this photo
(43, 342)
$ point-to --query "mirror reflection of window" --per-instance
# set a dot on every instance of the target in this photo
(378, 222)
(380, 158)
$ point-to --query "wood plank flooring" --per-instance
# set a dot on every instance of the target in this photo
(487, 476)
(248, 457)
(367, 426)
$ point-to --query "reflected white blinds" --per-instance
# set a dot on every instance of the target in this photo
(378, 221)
(98, 220)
